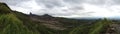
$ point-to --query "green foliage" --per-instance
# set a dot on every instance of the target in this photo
(100, 27)
(11, 25)
(32, 25)
(4, 8)
(83, 29)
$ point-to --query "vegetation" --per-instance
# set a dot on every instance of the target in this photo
(100, 27)
(13, 22)
(11, 25)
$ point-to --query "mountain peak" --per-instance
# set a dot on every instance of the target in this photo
(47, 15)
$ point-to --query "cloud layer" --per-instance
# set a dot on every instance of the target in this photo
(67, 8)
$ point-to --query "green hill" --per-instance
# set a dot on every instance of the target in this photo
(11, 23)
(14, 22)
(4, 8)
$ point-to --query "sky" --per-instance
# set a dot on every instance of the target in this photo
(67, 8)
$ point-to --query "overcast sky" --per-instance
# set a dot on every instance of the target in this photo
(67, 8)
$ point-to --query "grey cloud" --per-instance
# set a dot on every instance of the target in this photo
(13, 2)
(50, 3)
(73, 9)
(74, 1)
(95, 2)
(117, 1)
(61, 14)
(102, 2)
(54, 7)
(77, 8)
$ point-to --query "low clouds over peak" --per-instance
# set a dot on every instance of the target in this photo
(67, 8)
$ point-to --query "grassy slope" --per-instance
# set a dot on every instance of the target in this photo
(15, 23)
(12, 25)
(18, 23)
(99, 27)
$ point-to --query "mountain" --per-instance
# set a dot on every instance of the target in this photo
(14, 22)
